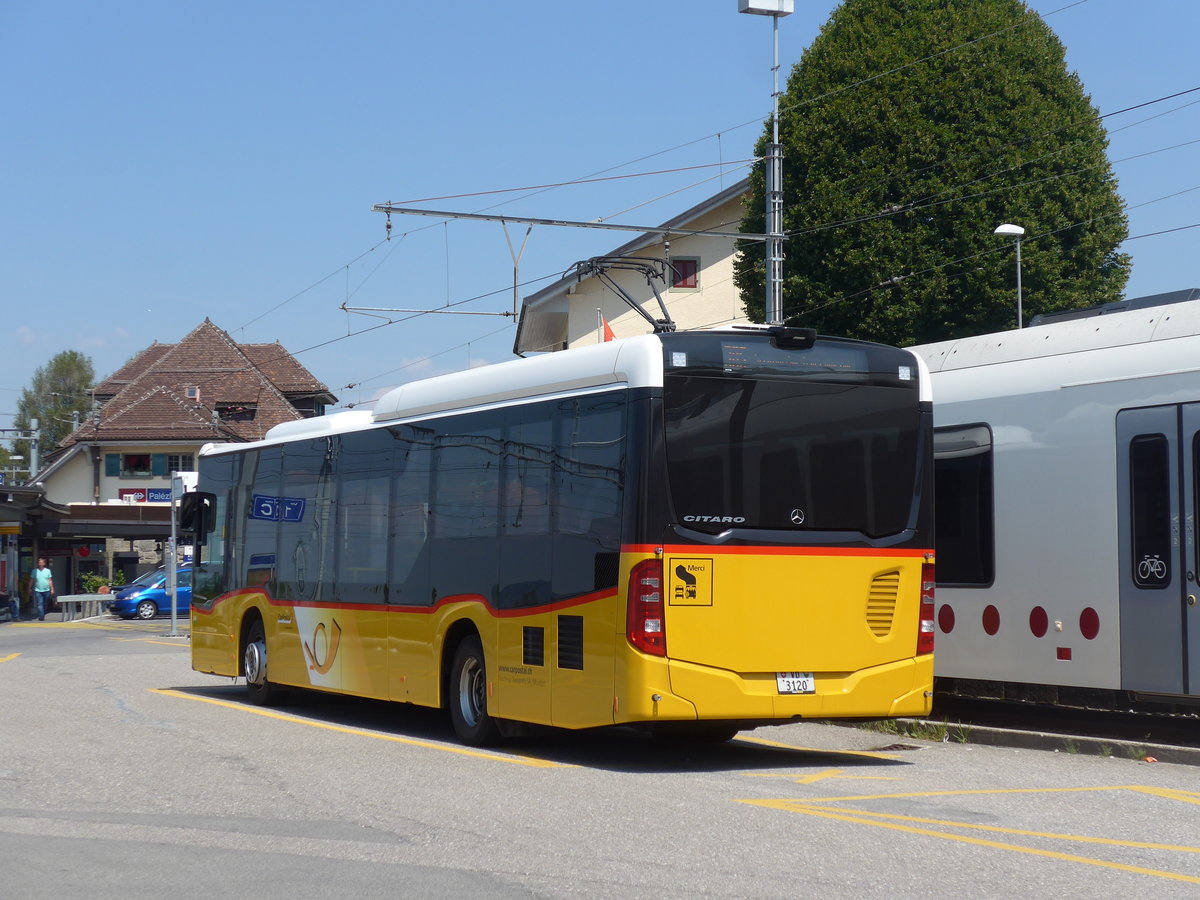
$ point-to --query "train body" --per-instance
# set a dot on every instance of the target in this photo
(1067, 461)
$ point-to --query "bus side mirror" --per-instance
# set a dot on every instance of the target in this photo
(197, 515)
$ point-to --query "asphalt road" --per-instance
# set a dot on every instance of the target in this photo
(125, 774)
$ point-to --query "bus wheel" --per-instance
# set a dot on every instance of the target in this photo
(468, 696)
(254, 662)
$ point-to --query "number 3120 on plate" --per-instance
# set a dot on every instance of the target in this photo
(796, 682)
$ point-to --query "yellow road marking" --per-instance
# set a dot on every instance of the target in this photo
(151, 641)
(814, 777)
(1165, 793)
(895, 822)
(864, 753)
(429, 745)
(4, 659)
(1016, 832)
(967, 792)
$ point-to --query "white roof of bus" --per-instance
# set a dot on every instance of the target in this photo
(635, 361)
(631, 362)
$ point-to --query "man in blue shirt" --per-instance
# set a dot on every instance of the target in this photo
(43, 588)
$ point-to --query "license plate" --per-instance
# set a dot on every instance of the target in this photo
(796, 682)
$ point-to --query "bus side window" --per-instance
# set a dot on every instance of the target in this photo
(466, 506)
(526, 511)
(260, 484)
(409, 519)
(364, 464)
(589, 485)
(305, 516)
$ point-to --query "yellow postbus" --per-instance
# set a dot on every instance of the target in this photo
(691, 532)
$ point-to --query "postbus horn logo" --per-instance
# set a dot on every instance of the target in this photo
(331, 642)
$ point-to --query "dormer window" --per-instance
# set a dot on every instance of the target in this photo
(236, 412)
(193, 393)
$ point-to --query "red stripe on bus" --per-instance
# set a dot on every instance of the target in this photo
(427, 610)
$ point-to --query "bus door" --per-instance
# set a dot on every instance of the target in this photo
(1158, 479)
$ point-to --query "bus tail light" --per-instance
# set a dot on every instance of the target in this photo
(925, 632)
(645, 625)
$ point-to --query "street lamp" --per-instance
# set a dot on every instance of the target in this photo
(776, 9)
(1017, 232)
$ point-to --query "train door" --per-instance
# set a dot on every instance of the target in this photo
(1158, 482)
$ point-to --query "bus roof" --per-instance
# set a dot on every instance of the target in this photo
(635, 361)
(630, 362)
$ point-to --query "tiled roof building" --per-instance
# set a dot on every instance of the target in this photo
(112, 475)
(205, 388)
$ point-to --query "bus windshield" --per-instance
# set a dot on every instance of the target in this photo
(824, 438)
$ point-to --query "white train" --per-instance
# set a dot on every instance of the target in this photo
(1068, 481)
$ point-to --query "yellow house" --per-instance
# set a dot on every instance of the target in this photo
(700, 292)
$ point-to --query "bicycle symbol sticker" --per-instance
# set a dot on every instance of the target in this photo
(1151, 570)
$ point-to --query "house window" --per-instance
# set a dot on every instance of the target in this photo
(236, 412)
(180, 462)
(134, 464)
(687, 273)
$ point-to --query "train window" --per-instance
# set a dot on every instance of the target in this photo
(1196, 488)
(1150, 508)
(963, 506)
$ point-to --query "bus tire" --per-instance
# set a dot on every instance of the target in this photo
(468, 696)
(259, 689)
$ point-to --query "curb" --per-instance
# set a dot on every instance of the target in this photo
(1084, 745)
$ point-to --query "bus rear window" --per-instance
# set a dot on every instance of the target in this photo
(791, 454)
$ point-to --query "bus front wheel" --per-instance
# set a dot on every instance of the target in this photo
(468, 696)
(254, 664)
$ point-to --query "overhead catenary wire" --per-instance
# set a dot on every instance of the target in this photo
(543, 188)
(901, 207)
(535, 190)
(578, 181)
(1032, 239)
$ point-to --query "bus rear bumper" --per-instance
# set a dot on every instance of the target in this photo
(902, 688)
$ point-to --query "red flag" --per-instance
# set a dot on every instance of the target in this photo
(608, 332)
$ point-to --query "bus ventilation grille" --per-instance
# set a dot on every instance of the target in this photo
(533, 646)
(881, 603)
(570, 642)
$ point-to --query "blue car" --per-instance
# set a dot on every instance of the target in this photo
(146, 596)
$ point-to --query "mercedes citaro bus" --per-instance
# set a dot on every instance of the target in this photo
(693, 532)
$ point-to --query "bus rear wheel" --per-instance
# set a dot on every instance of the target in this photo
(468, 696)
(259, 689)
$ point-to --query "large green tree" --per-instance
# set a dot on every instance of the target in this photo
(913, 128)
(59, 396)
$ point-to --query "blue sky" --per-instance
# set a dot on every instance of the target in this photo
(165, 162)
